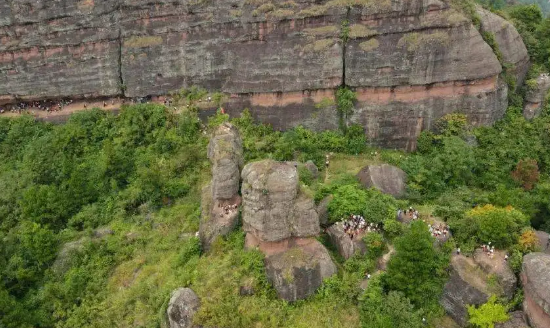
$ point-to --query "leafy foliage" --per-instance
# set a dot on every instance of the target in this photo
(416, 269)
(487, 314)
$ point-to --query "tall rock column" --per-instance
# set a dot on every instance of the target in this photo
(281, 221)
(220, 198)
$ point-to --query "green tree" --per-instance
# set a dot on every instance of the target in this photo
(487, 314)
(387, 311)
(416, 269)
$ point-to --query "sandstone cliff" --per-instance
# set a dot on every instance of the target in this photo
(411, 61)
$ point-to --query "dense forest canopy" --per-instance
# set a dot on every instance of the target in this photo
(98, 216)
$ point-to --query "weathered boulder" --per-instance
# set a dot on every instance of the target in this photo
(183, 305)
(467, 285)
(280, 219)
(322, 210)
(297, 272)
(497, 266)
(537, 91)
(220, 199)
(274, 207)
(386, 178)
(543, 242)
(312, 168)
(509, 41)
(517, 320)
(346, 246)
(535, 277)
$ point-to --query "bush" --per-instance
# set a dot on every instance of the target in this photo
(500, 226)
(487, 314)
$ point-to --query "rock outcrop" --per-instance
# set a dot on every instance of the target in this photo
(509, 42)
(346, 246)
(536, 286)
(411, 61)
(386, 178)
(183, 305)
(220, 199)
(322, 210)
(281, 221)
(536, 96)
(498, 267)
(274, 208)
(517, 320)
(543, 242)
(468, 284)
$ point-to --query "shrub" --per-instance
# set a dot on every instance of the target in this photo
(500, 226)
(487, 314)
(526, 173)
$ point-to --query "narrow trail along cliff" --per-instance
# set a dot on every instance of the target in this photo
(410, 61)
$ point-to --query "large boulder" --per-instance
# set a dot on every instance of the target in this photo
(281, 220)
(297, 272)
(220, 199)
(498, 267)
(274, 207)
(183, 305)
(467, 285)
(386, 178)
(509, 41)
(537, 91)
(535, 277)
(517, 320)
(346, 246)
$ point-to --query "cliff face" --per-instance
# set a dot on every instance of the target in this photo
(411, 61)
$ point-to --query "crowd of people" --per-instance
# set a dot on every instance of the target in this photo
(439, 230)
(43, 105)
(227, 209)
(489, 250)
(409, 214)
(356, 225)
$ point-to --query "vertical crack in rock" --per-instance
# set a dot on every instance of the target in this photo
(344, 46)
(120, 76)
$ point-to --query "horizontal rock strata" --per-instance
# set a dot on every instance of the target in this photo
(411, 61)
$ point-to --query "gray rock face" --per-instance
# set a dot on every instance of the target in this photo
(544, 242)
(312, 168)
(536, 96)
(220, 198)
(281, 220)
(345, 245)
(225, 152)
(517, 320)
(386, 178)
(466, 286)
(183, 305)
(273, 206)
(535, 276)
(509, 42)
(411, 61)
(322, 210)
(499, 268)
(299, 271)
